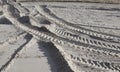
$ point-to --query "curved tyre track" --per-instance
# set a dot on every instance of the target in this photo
(71, 57)
(51, 17)
(81, 38)
(54, 39)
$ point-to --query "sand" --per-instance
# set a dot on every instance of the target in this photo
(21, 52)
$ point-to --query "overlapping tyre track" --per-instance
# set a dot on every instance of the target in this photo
(79, 52)
(51, 17)
(79, 37)
(65, 34)
(85, 54)
(58, 30)
(64, 42)
(85, 39)
(62, 32)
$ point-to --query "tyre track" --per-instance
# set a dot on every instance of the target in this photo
(51, 17)
(74, 63)
(59, 31)
(48, 36)
(62, 41)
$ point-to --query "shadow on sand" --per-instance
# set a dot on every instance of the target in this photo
(55, 59)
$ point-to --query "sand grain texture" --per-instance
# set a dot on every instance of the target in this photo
(60, 37)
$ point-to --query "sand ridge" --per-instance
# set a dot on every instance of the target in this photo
(77, 48)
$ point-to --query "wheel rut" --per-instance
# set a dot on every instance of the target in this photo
(77, 47)
(51, 17)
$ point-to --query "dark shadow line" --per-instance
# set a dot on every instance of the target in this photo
(14, 54)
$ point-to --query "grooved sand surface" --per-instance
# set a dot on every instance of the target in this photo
(27, 55)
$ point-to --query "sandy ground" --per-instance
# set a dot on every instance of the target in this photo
(102, 15)
(20, 52)
(29, 59)
(94, 16)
